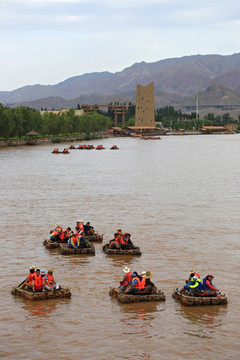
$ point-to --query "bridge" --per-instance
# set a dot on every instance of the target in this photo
(118, 110)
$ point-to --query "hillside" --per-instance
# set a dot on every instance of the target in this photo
(176, 80)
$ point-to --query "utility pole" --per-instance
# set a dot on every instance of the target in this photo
(196, 112)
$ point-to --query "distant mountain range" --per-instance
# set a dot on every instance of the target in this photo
(216, 79)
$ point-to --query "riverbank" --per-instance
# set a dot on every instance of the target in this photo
(54, 140)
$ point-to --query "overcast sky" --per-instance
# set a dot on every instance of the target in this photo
(47, 41)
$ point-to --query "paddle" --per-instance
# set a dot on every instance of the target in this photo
(22, 282)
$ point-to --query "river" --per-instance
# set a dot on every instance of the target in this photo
(178, 197)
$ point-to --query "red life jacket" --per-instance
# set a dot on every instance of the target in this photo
(127, 279)
(38, 281)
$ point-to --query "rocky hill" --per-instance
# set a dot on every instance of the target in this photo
(216, 78)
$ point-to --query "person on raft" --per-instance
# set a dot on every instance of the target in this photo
(209, 288)
(27, 284)
(195, 287)
(126, 278)
(88, 229)
(64, 236)
(56, 233)
(79, 226)
(49, 282)
(37, 283)
(121, 241)
(141, 285)
(77, 240)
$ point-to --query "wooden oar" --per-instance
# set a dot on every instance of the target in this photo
(22, 282)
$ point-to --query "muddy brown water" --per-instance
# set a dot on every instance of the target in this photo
(178, 197)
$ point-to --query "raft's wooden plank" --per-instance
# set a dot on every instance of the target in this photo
(65, 250)
(61, 293)
(135, 251)
(50, 244)
(94, 238)
(124, 298)
(199, 300)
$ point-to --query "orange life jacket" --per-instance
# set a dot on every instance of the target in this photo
(38, 281)
(49, 279)
(64, 234)
(123, 241)
(117, 240)
(143, 283)
(58, 230)
(30, 277)
(138, 285)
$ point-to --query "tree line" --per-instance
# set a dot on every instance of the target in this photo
(17, 122)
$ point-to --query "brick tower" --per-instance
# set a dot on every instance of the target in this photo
(144, 114)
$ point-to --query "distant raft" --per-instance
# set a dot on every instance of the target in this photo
(135, 251)
(199, 300)
(64, 249)
(51, 244)
(126, 298)
(56, 151)
(46, 295)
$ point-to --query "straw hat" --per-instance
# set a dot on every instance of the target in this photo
(57, 224)
(148, 275)
(126, 269)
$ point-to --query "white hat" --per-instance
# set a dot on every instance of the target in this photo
(80, 221)
(32, 267)
(126, 269)
(57, 224)
(143, 273)
(194, 277)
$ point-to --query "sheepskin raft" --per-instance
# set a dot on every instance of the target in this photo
(124, 298)
(135, 251)
(51, 244)
(46, 295)
(94, 238)
(65, 250)
(199, 300)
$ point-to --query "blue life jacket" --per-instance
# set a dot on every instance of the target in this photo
(205, 285)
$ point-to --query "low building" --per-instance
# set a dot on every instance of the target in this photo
(143, 130)
(213, 130)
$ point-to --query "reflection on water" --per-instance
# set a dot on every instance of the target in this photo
(40, 309)
(203, 320)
